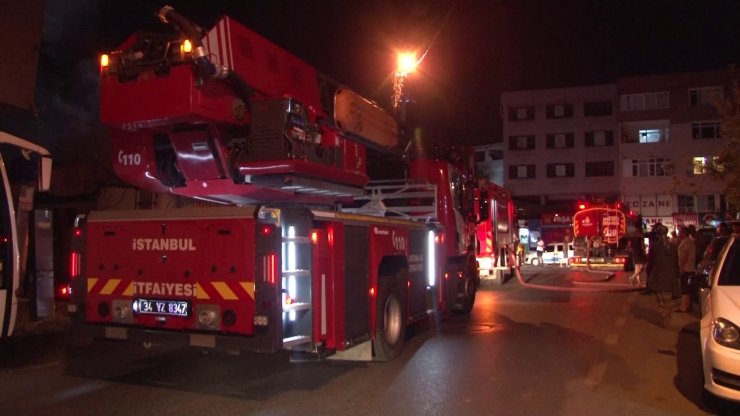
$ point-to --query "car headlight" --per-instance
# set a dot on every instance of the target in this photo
(726, 333)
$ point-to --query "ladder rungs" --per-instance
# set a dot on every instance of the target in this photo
(297, 273)
(296, 340)
(298, 306)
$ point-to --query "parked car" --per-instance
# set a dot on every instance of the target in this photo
(720, 324)
(553, 255)
(709, 257)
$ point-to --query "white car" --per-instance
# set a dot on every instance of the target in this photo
(553, 255)
(720, 325)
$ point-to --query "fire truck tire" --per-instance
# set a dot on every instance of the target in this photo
(467, 296)
(390, 323)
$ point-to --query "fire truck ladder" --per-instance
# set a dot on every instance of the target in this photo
(296, 282)
(408, 199)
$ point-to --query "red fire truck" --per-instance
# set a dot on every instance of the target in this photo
(597, 229)
(306, 254)
(497, 233)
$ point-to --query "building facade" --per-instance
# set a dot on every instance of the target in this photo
(647, 141)
(669, 142)
(560, 146)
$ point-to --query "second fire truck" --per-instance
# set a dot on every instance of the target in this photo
(497, 232)
(307, 254)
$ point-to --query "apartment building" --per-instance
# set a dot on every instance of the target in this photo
(560, 145)
(649, 141)
(669, 141)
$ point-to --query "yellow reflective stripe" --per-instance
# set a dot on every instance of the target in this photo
(129, 290)
(225, 291)
(249, 288)
(110, 286)
(200, 293)
(91, 283)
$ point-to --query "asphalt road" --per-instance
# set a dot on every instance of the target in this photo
(524, 350)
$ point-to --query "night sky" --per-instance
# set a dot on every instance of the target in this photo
(477, 49)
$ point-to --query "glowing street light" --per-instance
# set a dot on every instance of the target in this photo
(406, 62)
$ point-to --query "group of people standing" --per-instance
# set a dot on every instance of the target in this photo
(670, 264)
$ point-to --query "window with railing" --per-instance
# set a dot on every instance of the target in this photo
(654, 166)
(705, 130)
(685, 203)
(644, 101)
(696, 203)
(705, 96)
(652, 135)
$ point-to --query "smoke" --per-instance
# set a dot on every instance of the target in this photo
(68, 83)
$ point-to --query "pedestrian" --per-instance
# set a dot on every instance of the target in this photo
(636, 247)
(540, 250)
(674, 238)
(663, 277)
(686, 266)
(519, 253)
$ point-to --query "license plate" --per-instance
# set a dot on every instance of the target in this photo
(162, 307)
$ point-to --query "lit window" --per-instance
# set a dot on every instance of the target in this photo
(651, 136)
(703, 164)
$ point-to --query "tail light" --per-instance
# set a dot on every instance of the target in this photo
(75, 257)
(269, 268)
(74, 265)
(64, 292)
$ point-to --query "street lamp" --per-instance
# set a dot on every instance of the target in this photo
(406, 62)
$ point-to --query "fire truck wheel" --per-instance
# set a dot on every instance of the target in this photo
(466, 296)
(390, 325)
